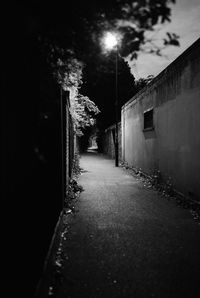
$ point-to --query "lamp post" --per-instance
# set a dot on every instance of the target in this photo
(111, 42)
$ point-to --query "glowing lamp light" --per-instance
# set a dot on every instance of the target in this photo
(110, 41)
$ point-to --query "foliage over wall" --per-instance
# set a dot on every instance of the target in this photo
(68, 72)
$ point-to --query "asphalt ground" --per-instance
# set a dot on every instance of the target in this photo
(125, 240)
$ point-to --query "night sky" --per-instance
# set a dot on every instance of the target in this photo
(185, 21)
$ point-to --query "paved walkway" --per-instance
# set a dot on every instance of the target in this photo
(127, 241)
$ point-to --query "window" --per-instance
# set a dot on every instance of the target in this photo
(148, 120)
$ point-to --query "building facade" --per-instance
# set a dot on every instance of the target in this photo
(161, 124)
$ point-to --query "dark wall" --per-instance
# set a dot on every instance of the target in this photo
(108, 141)
(30, 155)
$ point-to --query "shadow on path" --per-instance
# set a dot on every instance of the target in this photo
(126, 241)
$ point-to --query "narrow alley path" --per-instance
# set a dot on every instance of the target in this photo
(127, 241)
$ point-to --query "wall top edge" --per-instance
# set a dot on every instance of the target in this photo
(164, 73)
(112, 126)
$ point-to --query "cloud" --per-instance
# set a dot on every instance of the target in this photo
(186, 23)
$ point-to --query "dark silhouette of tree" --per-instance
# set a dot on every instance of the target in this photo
(142, 82)
(79, 25)
(100, 84)
(75, 30)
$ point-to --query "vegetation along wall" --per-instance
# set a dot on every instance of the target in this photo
(161, 124)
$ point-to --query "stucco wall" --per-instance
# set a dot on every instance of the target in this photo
(173, 146)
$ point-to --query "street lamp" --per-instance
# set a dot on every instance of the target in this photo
(111, 41)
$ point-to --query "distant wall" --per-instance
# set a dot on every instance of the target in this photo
(108, 141)
(172, 143)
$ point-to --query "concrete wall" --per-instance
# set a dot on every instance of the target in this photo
(108, 141)
(173, 146)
